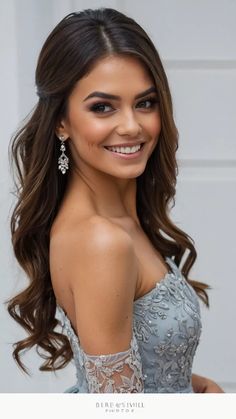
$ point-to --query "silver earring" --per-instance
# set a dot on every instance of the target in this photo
(63, 161)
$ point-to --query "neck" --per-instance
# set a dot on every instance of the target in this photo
(111, 197)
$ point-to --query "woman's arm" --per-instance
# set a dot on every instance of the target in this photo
(204, 385)
(101, 265)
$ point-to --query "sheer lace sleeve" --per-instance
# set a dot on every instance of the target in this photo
(115, 373)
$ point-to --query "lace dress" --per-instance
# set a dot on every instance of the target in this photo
(166, 332)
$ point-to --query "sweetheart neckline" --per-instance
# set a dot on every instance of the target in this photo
(172, 272)
(156, 285)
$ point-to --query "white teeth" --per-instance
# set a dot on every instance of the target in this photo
(125, 150)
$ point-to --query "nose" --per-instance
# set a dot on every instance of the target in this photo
(128, 124)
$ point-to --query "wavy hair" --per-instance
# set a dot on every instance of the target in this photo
(71, 50)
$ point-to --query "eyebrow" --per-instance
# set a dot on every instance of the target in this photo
(103, 95)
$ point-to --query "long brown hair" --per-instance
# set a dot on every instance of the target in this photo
(69, 53)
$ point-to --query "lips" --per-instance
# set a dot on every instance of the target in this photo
(121, 154)
(125, 144)
(125, 150)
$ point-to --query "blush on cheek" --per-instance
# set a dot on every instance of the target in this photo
(94, 133)
(90, 142)
(157, 126)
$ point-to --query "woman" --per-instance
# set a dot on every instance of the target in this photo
(97, 173)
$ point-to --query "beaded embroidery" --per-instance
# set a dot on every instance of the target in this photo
(167, 325)
(114, 373)
(166, 332)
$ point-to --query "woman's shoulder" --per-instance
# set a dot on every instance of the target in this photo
(93, 256)
(93, 230)
(91, 247)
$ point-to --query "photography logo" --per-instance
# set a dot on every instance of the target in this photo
(119, 407)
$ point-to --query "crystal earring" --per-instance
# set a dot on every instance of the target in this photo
(63, 161)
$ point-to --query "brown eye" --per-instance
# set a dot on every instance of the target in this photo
(101, 108)
(147, 103)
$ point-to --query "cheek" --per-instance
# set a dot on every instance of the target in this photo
(154, 129)
(155, 125)
(90, 130)
(152, 126)
(82, 135)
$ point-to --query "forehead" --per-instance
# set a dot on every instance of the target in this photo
(115, 74)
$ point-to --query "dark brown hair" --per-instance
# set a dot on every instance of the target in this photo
(69, 53)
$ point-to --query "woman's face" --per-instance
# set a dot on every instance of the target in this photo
(115, 105)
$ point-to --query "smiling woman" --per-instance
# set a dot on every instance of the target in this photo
(121, 126)
(97, 171)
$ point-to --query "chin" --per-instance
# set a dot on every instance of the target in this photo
(133, 175)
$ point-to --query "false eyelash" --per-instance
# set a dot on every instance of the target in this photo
(95, 107)
(152, 100)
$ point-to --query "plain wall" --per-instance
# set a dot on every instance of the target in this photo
(196, 40)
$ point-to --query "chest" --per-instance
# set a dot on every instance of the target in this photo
(167, 325)
(151, 265)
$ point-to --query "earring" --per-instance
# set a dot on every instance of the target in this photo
(63, 161)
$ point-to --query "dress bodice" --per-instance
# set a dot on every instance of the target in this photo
(166, 332)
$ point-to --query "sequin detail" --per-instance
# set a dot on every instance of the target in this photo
(166, 332)
(167, 325)
(114, 373)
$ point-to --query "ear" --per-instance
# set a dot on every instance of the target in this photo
(61, 129)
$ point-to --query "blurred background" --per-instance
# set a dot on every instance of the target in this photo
(196, 40)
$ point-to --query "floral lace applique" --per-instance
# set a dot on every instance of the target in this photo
(114, 373)
(167, 325)
(166, 333)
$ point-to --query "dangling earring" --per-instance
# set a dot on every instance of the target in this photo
(63, 161)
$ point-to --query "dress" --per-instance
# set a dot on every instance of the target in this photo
(166, 332)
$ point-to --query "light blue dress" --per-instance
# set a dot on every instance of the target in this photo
(166, 332)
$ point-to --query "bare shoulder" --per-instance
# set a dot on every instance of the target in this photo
(93, 232)
(101, 268)
(102, 233)
(90, 245)
(97, 242)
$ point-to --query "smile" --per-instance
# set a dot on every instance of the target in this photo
(126, 152)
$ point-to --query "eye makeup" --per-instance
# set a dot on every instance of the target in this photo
(99, 107)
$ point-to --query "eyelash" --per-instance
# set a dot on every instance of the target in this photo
(96, 106)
